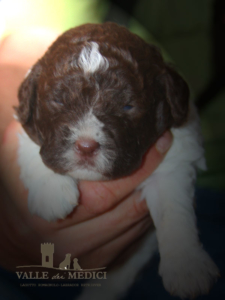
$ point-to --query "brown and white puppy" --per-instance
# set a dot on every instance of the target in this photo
(91, 107)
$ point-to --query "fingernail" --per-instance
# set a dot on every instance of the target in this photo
(164, 142)
(142, 205)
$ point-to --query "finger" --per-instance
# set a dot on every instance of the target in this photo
(37, 40)
(103, 256)
(96, 232)
(8, 150)
(9, 169)
(10, 78)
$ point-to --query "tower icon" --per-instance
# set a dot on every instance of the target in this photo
(47, 251)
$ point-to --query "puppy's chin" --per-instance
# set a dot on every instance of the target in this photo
(86, 174)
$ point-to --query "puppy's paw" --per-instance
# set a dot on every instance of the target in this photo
(52, 197)
(188, 274)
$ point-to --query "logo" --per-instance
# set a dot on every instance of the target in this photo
(67, 269)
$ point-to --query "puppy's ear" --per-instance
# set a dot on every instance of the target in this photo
(175, 93)
(27, 96)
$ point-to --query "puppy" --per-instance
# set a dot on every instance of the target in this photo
(90, 108)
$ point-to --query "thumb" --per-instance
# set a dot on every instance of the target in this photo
(9, 169)
(164, 142)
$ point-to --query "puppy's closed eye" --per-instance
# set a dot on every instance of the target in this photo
(58, 102)
(128, 107)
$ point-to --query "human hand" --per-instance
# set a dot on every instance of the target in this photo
(108, 219)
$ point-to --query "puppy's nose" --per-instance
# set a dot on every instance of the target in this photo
(86, 146)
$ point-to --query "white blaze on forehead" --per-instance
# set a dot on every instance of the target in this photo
(91, 60)
(88, 127)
